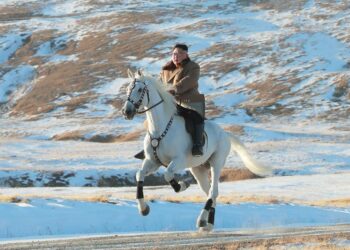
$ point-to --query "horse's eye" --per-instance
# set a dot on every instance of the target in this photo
(140, 90)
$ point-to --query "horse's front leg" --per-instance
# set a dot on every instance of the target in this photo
(176, 166)
(148, 167)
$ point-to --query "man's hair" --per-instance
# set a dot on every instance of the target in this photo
(181, 46)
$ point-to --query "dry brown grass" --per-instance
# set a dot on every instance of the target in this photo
(268, 91)
(234, 174)
(341, 86)
(306, 242)
(345, 203)
(117, 103)
(103, 54)
(28, 49)
(17, 12)
(57, 80)
(132, 136)
(88, 198)
(69, 135)
(205, 25)
(12, 199)
(340, 6)
(279, 5)
(97, 57)
(167, 194)
(235, 129)
(232, 55)
(98, 198)
(237, 198)
(225, 199)
(211, 110)
(101, 138)
(78, 102)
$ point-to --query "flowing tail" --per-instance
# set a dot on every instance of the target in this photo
(248, 161)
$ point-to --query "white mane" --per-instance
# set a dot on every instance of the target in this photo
(169, 100)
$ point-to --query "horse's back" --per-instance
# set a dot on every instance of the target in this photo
(214, 131)
(215, 140)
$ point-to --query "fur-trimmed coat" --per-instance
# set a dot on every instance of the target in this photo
(184, 80)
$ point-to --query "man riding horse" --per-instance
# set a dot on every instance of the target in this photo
(181, 74)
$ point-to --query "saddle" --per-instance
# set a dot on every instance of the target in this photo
(189, 125)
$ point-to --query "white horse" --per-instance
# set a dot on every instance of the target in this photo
(167, 143)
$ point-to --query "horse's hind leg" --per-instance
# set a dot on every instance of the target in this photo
(201, 174)
(205, 221)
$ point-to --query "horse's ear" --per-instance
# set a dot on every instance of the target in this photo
(139, 72)
(130, 74)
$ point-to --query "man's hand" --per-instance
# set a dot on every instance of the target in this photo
(171, 89)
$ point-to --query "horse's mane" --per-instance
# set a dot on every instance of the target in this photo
(169, 100)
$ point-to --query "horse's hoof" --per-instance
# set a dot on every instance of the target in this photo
(146, 211)
(184, 185)
(206, 229)
(202, 224)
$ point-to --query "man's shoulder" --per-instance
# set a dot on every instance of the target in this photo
(192, 65)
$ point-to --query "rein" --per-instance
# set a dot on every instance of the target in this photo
(153, 106)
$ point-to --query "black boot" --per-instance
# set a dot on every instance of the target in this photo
(197, 149)
(140, 155)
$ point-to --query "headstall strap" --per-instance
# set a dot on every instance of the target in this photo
(156, 141)
(137, 104)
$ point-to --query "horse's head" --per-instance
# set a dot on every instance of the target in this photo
(136, 92)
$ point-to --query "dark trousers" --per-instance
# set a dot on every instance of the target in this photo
(190, 115)
(198, 128)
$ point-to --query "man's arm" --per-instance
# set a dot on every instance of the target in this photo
(190, 81)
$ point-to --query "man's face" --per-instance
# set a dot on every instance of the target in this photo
(178, 56)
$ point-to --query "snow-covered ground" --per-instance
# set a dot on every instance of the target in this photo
(42, 218)
(263, 203)
(303, 134)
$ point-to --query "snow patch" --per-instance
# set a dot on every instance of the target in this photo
(13, 80)
(9, 44)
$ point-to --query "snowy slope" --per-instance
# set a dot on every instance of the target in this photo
(277, 74)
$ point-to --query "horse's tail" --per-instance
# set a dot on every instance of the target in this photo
(248, 161)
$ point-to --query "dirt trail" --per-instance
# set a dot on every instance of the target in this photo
(327, 237)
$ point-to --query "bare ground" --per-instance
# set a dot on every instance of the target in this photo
(325, 237)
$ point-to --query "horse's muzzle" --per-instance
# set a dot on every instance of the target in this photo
(129, 111)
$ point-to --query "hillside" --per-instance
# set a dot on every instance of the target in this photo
(277, 74)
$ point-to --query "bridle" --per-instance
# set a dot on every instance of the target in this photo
(154, 141)
(139, 102)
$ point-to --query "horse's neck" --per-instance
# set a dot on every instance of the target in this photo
(157, 117)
